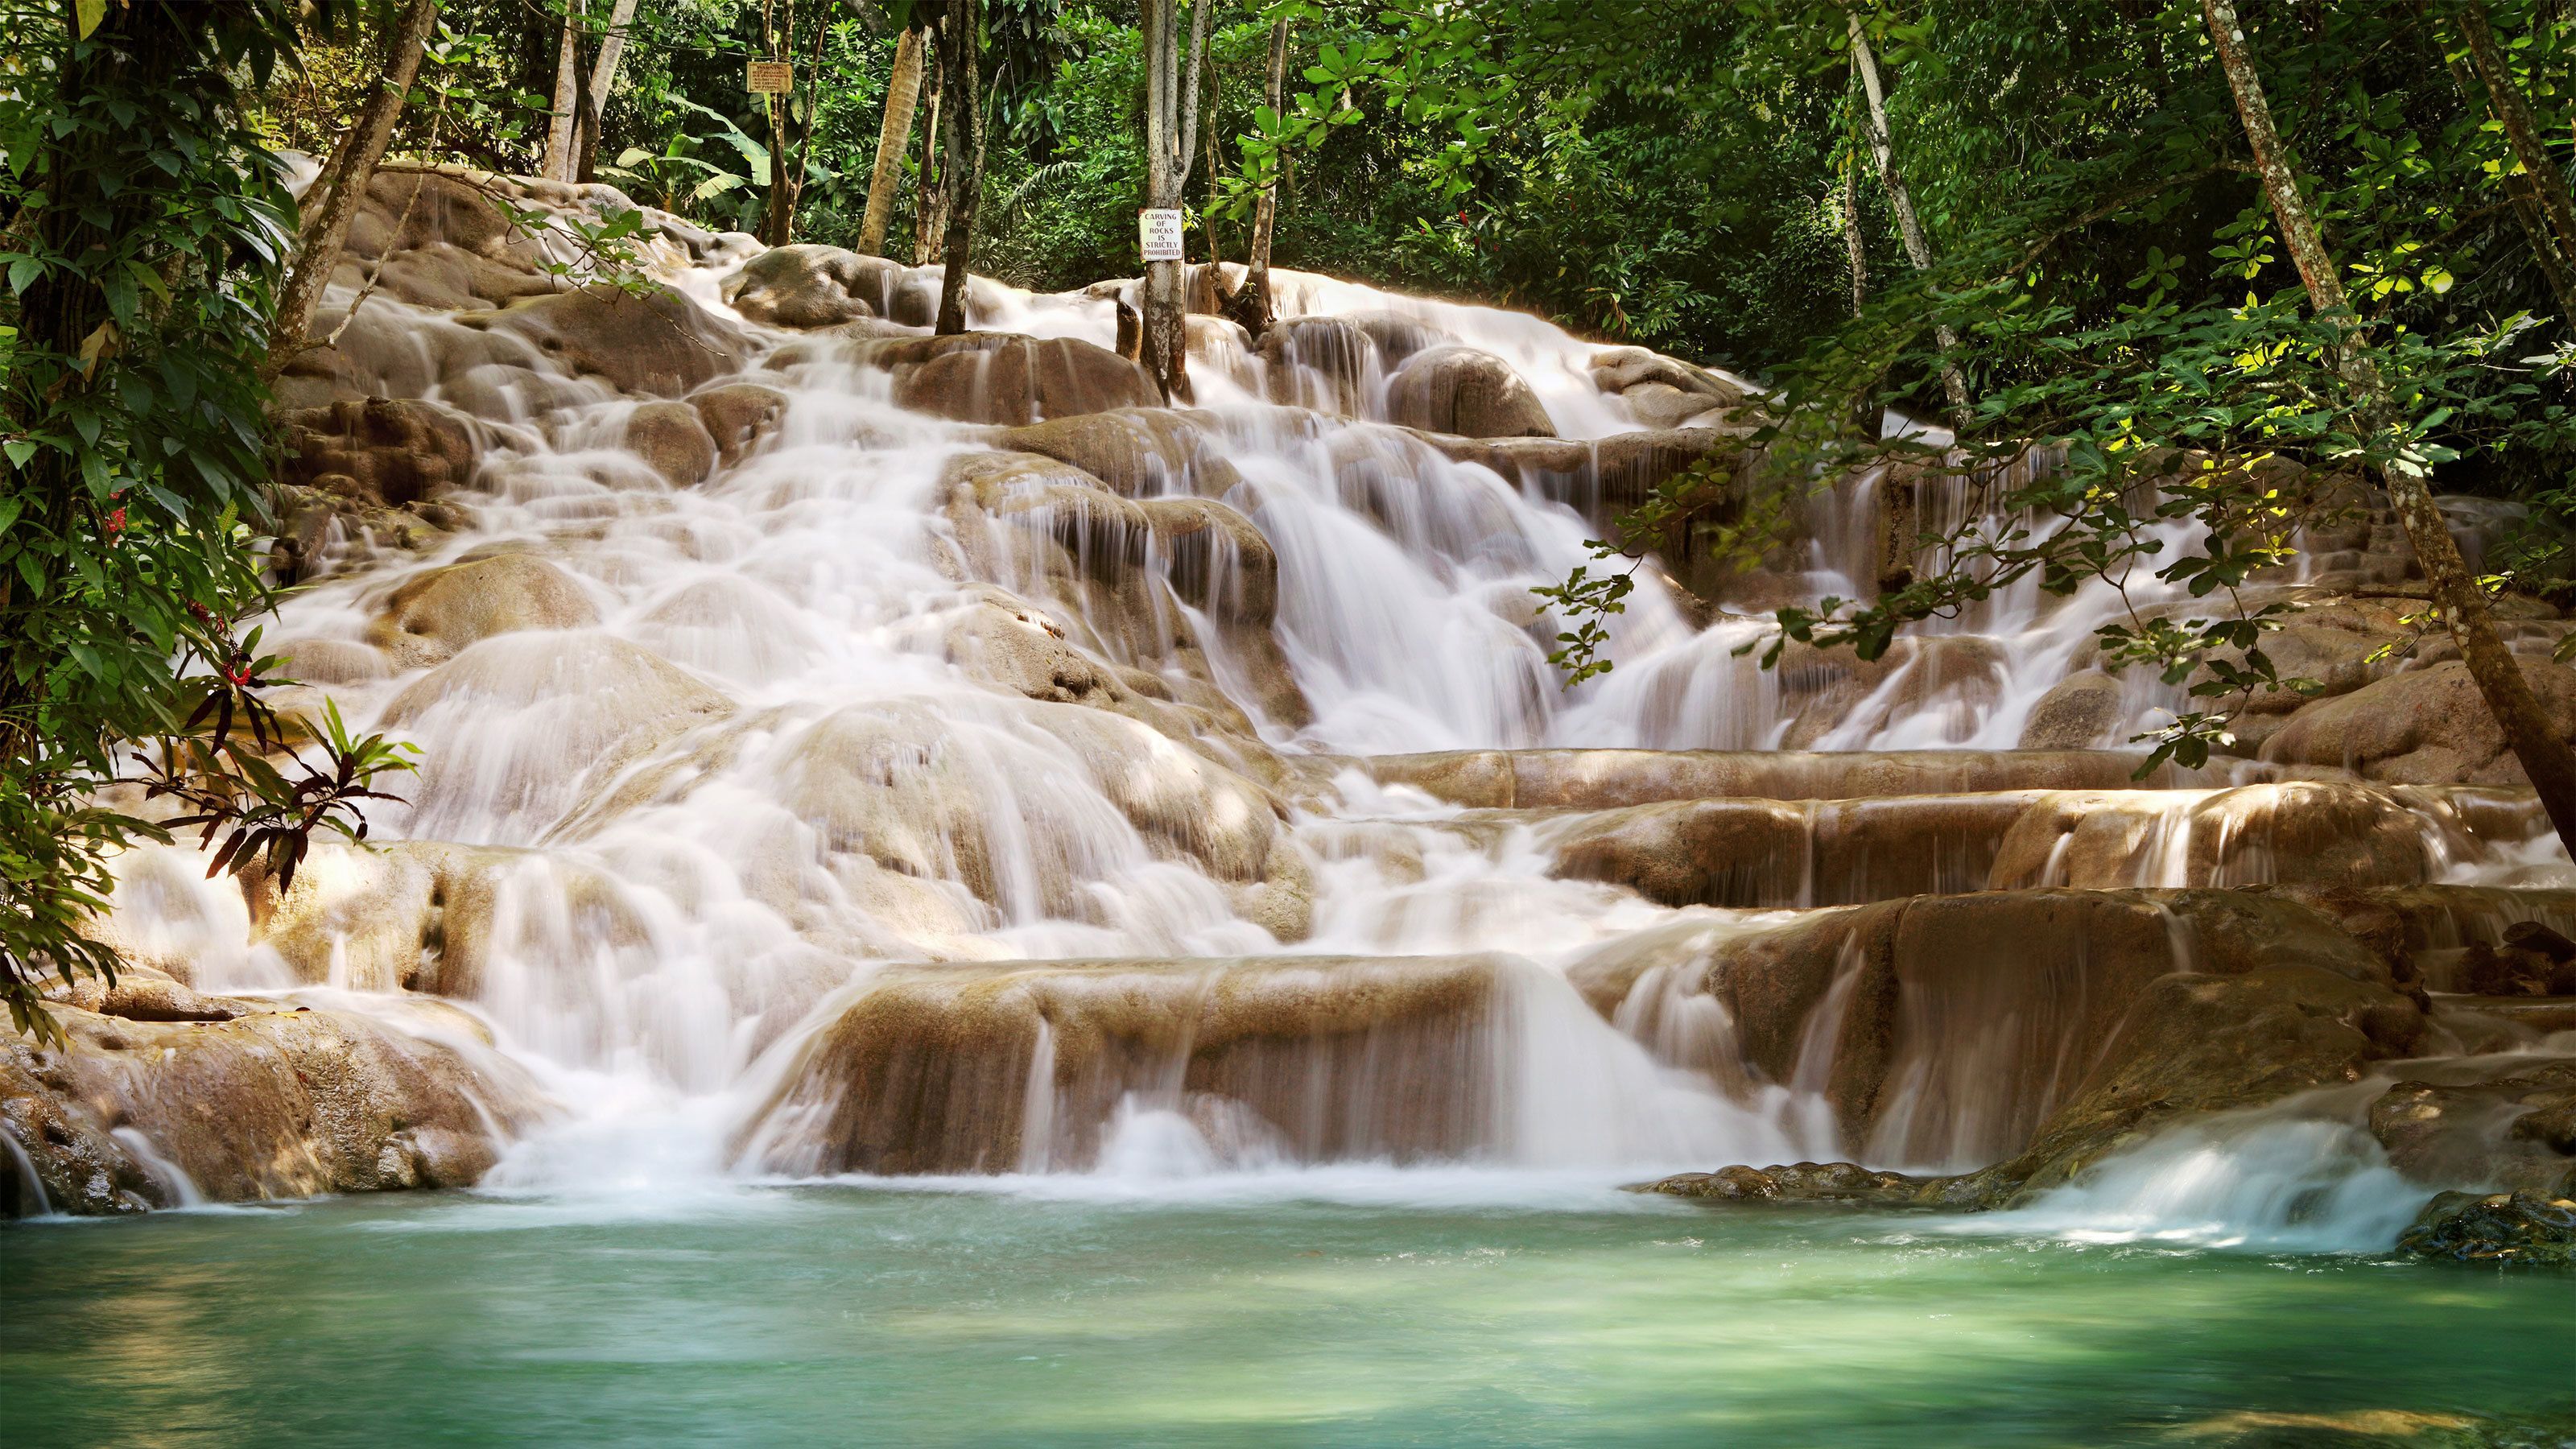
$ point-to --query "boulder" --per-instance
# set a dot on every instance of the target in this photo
(673, 438)
(660, 345)
(256, 1102)
(385, 451)
(1771, 853)
(1463, 391)
(2427, 726)
(1137, 452)
(1322, 362)
(2502, 1227)
(739, 416)
(1004, 378)
(2502, 1123)
(433, 614)
(2085, 711)
(1804, 1182)
(1609, 778)
(813, 286)
(2294, 832)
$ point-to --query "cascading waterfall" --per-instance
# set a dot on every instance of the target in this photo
(868, 718)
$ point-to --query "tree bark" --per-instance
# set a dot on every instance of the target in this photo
(1207, 213)
(1171, 123)
(2535, 741)
(929, 218)
(328, 228)
(2520, 127)
(778, 221)
(1852, 244)
(1901, 201)
(903, 92)
(964, 183)
(558, 161)
(1252, 306)
(603, 74)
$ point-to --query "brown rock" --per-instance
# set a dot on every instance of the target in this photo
(432, 615)
(660, 345)
(671, 437)
(1001, 377)
(1463, 391)
(813, 286)
(385, 451)
(2086, 711)
(738, 415)
(2426, 726)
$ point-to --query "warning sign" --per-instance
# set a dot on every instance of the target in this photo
(1159, 230)
(770, 78)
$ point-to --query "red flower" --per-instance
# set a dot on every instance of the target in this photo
(116, 520)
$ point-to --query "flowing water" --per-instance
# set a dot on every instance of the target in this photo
(772, 769)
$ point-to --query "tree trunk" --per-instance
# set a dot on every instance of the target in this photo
(1171, 123)
(559, 132)
(603, 74)
(2519, 126)
(964, 183)
(319, 256)
(1852, 243)
(1207, 213)
(929, 214)
(1901, 201)
(778, 222)
(1253, 306)
(903, 92)
(2546, 758)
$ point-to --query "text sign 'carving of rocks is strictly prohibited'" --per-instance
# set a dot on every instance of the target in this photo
(769, 78)
(1159, 230)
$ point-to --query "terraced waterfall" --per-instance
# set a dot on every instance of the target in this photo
(846, 751)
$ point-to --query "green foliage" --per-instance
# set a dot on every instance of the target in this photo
(144, 228)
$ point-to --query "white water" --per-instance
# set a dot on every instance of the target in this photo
(770, 767)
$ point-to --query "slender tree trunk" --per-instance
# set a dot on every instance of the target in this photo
(778, 222)
(2535, 740)
(1253, 305)
(1171, 123)
(1207, 213)
(2518, 190)
(603, 74)
(929, 214)
(558, 162)
(328, 228)
(1852, 243)
(963, 177)
(2520, 127)
(1901, 201)
(903, 92)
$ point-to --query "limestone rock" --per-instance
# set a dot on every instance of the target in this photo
(432, 615)
(661, 345)
(1137, 452)
(1770, 853)
(2295, 832)
(672, 438)
(386, 451)
(738, 416)
(1463, 391)
(1803, 1182)
(813, 286)
(266, 1102)
(2505, 1123)
(998, 377)
(2503, 1227)
(2426, 726)
(2086, 711)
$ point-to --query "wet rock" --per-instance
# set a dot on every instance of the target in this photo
(813, 286)
(2503, 1227)
(738, 416)
(390, 452)
(1607, 779)
(662, 345)
(1758, 853)
(2505, 1122)
(2293, 832)
(432, 615)
(1460, 390)
(1311, 1058)
(2019, 1036)
(441, 242)
(262, 1103)
(1805, 1182)
(2088, 711)
(1137, 452)
(1323, 362)
(2426, 726)
(672, 438)
(1004, 378)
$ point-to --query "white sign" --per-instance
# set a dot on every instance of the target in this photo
(1159, 230)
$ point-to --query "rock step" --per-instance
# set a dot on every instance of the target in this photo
(1601, 779)
(1752, 853)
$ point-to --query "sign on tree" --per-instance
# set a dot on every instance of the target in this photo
(1158, 230)
(770, 78)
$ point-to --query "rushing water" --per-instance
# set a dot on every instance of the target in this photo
(1365, 1310)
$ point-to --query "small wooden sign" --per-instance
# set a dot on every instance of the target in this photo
(1158, 230)
(770, 78)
